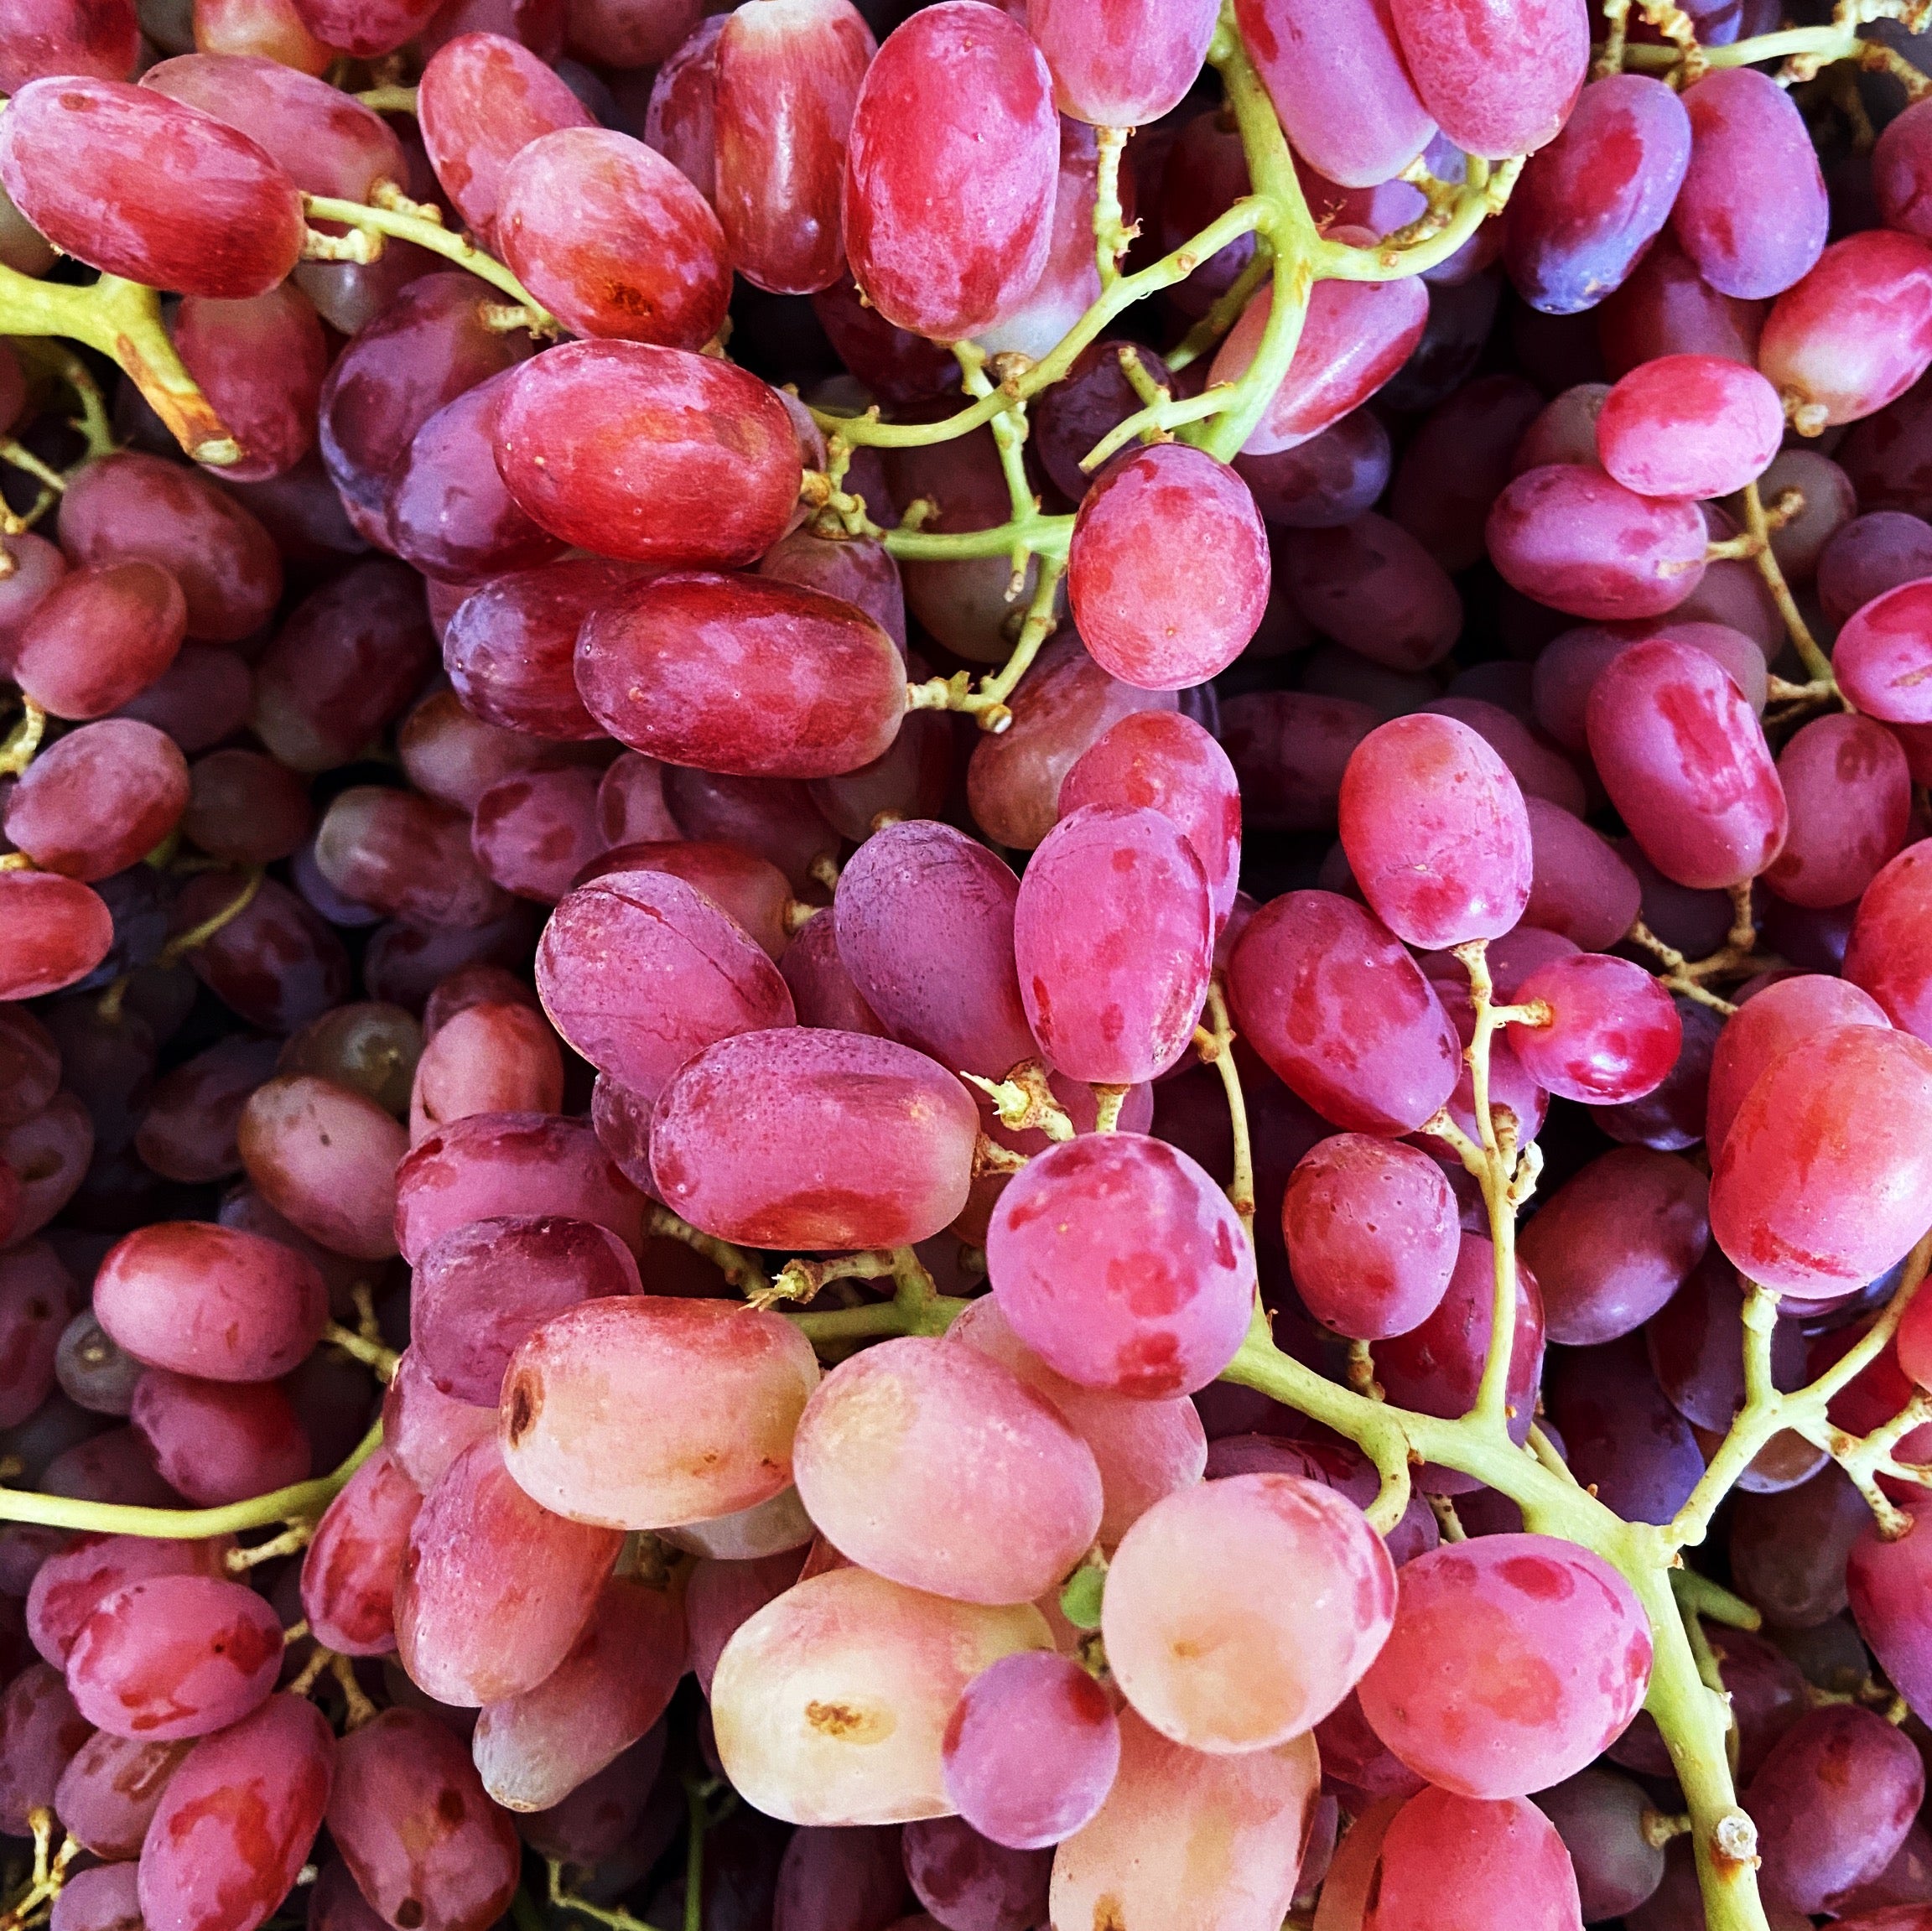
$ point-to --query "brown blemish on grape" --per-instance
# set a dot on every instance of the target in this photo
(450, 1807)
(523, 1410)
(1107, 1915)
(845, 1724)
(409, 1913)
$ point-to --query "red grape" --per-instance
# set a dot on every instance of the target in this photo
(1752, 212)
(747, 1138)
(1882, 957)
(53, 932)
(220, 1441)
(1324, 993)
(237, 1818)
(1112, 938)
(1142, 621)
(1685, 762)
(954, 82)
(1572, 537)
(1856, 333)
(742, 674)
(1690, 426)
(1589, 204)
(261, 364)
(609, 238)
(1158, 1239)
(100, 799)
(1802, 1198)
(1435, 832)
(1612, 1036)
(1850, 792)
(99, 637)
(1356, 336)
(788, 76)
(1514, 1660)
(649, 453)
(349, 1572)
(482, 100)
(140, 186)
(44, 37)
(1496, 85)
(1445, 1859)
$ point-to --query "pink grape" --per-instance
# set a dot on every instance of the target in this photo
(480, 1289)
(481, 100)
(325, 1157)
(1196, 1660)
(210, 1301)
(511, 1163)
(788, 77)
(1356, 336)
(1685, 763)
(220, 1441)
(99, 637)
(1156, 1237)
(746, 1141)
(1167, 763)
(639, 971)
(510, 649)
(1849, 788)
(610, 238)
(1113, 939)
(73, 1583)
(1190, 1841)
(1449, 1857)
(722, 1596)
(1369, 124)
(236, 1821)
(1436, 832)
(971, 1880)
(1766, 1026)
(1513, 1660)
(349, 1571)
(174, 1656)
(261, 364)
(1883, 957)
(1495, 87)
(1615, 1241)
(133, 781)
(1370, 585)
(955, 81)
(365, 27)
(408, 1813)
(1589, 203)
(1612, 1036)
(111, 1789)
(830, 1704)
(140, 186)
(1124, 65)
(742, 674)
(924, 924)
(1856, 333)
(134, 507)
(473, 1625)
(1803, 1800)
(533, 1750)
(1882, 655)
(1690, 426)
(754, 893)
(1019, 1526)
(1751, 212)
(1816, 1189)
(701, 1371)
(55, 37)
(1144, 623)
(1328, 996)
(424, 1429)
(1144, 1449)
(1579, 886)
(649, 453)
(1870, 555)
(630, 33)
(56, 930)
(1572, 537)
(1371, 1233)
(1030, 1750)
(1886, 1584)
(42, 1732)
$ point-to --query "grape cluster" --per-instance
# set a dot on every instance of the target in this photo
(1051, 880)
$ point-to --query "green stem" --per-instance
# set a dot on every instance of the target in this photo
(1044, 536)
(122, 320)
(300, 1500)
(432, 235)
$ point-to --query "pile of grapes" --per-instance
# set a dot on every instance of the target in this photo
(965, 968)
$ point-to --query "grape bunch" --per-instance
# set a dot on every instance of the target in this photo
(965, 966)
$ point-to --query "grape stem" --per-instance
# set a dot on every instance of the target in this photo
(48, 1877)
(411, 221)
(1112, 237)
(122, 319)
(1802, 49)
(302, 1501)
(1215, 1043)
(1757, 533)
(740, 1269)
(1024, 1100)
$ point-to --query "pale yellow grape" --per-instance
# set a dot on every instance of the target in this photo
(830, 1703)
